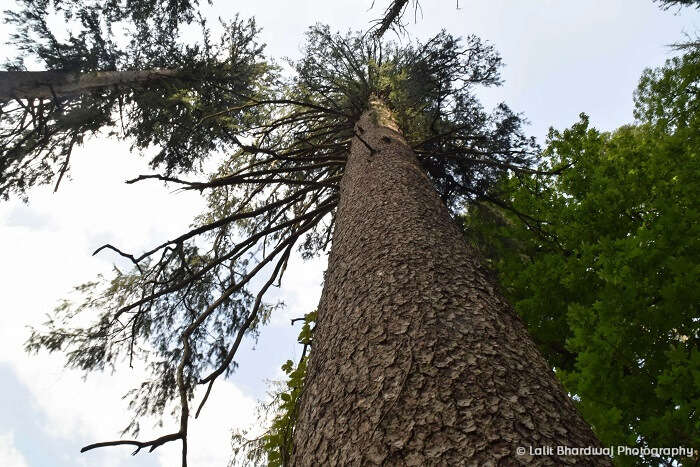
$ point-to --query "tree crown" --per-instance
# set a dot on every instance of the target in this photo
(283, 141)
(604, 268)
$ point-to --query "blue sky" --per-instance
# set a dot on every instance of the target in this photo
(562, 58)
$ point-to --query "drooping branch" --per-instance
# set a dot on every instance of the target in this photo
(240, 248)
(284, 247)
(253, 315)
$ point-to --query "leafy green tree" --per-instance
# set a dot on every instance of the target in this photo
(366, 146)
(605, 265)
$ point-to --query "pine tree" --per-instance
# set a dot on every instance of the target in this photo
(145, 85)
(368, 146)
(416, 359)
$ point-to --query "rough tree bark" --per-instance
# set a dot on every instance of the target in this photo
(417, 359)
(47, 84)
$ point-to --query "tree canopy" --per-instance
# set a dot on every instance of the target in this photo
(177, 110)
(281, 140)
(605, 265)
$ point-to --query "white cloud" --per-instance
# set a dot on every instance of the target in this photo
(9, 455)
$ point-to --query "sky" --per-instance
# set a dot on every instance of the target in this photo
(561, 58)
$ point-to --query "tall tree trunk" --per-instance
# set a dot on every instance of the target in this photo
(417, 360)
(47, 84)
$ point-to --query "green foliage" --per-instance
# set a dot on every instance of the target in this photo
(430, 88)
(668, 96)
(185, 116)
(274, 447)
(605, 267)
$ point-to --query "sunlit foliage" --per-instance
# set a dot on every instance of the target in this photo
(605, 266)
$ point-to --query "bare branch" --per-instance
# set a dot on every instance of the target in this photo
(153, 444)
(391, 16)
